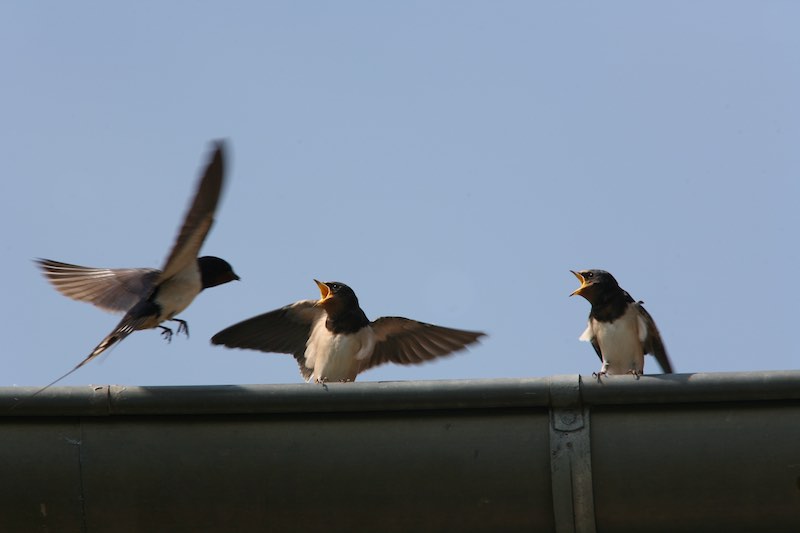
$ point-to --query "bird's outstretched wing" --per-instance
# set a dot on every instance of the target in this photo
(409, 342)
(112, 289)
(199, 218)
(284, 330)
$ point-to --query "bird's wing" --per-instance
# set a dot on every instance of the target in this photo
(284, 330)
(408, 342)
(589, 336)
(113, 289)
(652, 343)
(199, 218)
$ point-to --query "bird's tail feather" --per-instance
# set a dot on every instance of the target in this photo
(123, 329)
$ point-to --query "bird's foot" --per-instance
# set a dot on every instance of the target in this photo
(636, 373)
(182, 326)
(598, 375)
(166, 333)
(602, 373)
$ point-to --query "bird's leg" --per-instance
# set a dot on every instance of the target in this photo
(603, 372)
(182, 326)
(166, 333)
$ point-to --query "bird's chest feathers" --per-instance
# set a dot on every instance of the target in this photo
(337, 356)
(621, 340)
(175, 294)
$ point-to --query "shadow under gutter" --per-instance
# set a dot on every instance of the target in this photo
(681, 452)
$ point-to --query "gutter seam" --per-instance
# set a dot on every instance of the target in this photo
(570, 457)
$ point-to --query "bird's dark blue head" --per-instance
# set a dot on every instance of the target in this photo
(595, 284)
(334, 293)
(341, 305)
(215, 271)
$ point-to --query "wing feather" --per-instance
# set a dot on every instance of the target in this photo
(653, 343)
(284, 330)
(409, 342)
(200, 216)
(112, 289)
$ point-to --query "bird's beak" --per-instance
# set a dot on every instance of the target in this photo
(583, 284)
(236, 277)
(325, 292)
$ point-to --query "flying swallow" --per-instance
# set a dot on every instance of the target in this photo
(149, 296)
(333, 340)
(620, 329)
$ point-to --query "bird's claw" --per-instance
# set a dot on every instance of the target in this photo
(183, 326)
(602, 373)
(166, 333)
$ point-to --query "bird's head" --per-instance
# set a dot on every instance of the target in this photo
(594, 283)
(335, 296)
(215, 271)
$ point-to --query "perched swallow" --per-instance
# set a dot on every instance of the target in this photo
(148, 296)
(333, 340)
(620, 329)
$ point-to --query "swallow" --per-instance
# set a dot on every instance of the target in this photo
(620, 329)
(149, 296)
(333, 340)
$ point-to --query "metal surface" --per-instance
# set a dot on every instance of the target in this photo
(703, 452)
(570, 458)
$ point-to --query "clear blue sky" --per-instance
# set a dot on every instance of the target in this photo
(450, 161)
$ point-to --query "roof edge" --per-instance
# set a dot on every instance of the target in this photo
(544, 392)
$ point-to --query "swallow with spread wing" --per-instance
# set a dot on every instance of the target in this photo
(149, 296)
(333, 340)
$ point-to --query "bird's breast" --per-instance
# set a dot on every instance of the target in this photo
(175, 294)
(337, 356)
(620, 341)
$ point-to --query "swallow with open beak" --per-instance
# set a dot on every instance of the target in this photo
(149, 296)
(333, 340)
(620, 329)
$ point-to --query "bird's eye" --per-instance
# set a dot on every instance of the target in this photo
(590, 274)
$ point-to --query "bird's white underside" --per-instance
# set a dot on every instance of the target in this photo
(620, 341)
(336, 357)
(176, 293)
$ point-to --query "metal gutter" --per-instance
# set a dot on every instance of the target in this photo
(378, 396)
(682, 452)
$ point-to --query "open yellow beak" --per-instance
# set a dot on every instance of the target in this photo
(583, 283)
(324, 290)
